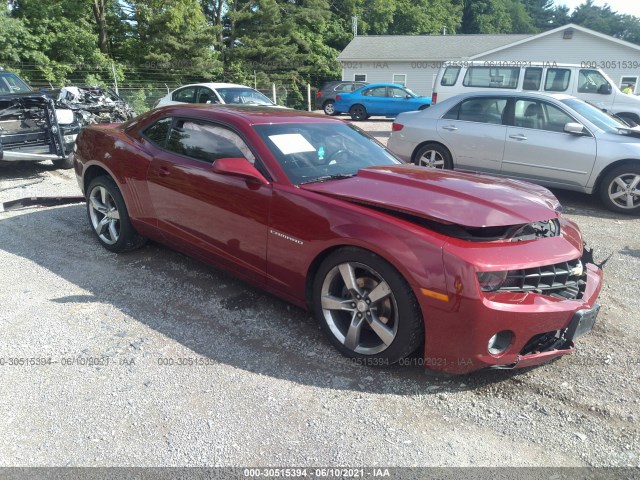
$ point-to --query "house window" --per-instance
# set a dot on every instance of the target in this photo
(360, 77)
(400, 79)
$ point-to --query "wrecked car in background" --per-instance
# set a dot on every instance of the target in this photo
(35, 127)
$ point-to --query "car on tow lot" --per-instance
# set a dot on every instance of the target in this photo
(555, 140)
(326, 95)
(386, 99)
(475, 271)
(215, 93)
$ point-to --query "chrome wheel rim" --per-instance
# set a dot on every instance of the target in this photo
(359, 308)
(329, 108)
(623, 191)
(104, 215)
(431, 159)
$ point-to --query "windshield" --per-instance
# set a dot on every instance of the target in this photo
(11, 83)
(243, 95)
(315, 152)
(596, 116)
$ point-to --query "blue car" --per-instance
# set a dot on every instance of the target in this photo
(385, 99)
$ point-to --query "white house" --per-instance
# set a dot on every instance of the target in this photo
(414, 60)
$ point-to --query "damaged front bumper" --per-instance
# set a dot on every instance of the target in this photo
(478, 329)
(30, 131)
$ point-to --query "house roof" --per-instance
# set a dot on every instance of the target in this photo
(569, 26)
(383, 48)
(423, 47)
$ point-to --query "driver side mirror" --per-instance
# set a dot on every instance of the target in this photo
(604, 89)
(574, 128)
(238, 167)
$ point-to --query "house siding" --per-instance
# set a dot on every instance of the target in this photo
(583, 49)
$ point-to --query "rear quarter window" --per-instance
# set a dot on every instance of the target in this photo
(157, 133)
(450, 76)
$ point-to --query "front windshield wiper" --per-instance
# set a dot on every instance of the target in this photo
(326, 178)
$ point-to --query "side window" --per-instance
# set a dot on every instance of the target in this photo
(452, 114)
(397, 92)
(557, 79)
(205, 95)
(482, 110)
(375, 92)
(157, 133)
(206, 142)
(540, 115)
(450, 76)
(532, 78)
(492, 77)
(344, 87)
(186, 95)
(592, 81)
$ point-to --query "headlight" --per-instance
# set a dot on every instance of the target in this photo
(492, 281)
(64, 116)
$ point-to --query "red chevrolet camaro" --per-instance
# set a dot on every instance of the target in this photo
(477, 271)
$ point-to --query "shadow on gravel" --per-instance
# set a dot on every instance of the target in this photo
(206, 310)
(582, 204)
(23, 170)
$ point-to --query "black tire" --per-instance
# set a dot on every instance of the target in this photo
(328, 108)
(619, 199)
(358, 113)
(104, 201)
(64, 163)
(433, 155)
(394, 313)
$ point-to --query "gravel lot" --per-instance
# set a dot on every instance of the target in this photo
(261, 385)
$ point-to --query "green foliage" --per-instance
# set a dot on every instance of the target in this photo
(153, 43)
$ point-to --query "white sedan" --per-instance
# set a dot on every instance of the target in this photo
(213, 93)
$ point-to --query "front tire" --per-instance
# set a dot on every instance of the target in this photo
(433, 155)
(109, 218)
(358, 113)
(64, 163)
(329, 108)
(366, 308)
(620, 189)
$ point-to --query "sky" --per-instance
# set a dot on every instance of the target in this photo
(630, 7)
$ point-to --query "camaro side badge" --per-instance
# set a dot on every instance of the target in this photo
(286, 237)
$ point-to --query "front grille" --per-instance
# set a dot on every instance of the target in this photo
(562, 280)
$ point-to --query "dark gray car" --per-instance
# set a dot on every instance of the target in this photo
(326, 96)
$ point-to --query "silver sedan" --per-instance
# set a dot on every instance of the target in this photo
(550, 139)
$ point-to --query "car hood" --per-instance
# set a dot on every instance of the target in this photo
(458, 198)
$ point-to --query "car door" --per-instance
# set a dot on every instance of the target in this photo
(206, 212)
(537, 147)
(399, 101)
(374, 100)
(474, 132)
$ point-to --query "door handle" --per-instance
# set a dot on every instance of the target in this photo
(164, 172)
(519, 136)
(451, 128)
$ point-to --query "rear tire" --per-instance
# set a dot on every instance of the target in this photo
(366, 308)
(109, 217)
(358, 113)
(620, 189)
(433, 155)
(329, 108)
